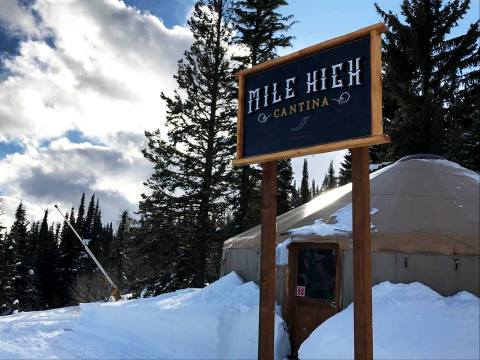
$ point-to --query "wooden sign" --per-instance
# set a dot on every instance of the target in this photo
(323, 98)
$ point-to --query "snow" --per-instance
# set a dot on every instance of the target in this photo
(343, 217)
(218, 321)
(342, 224)
(281, 253)
(410, 321)
(375, 167)
(460, 170)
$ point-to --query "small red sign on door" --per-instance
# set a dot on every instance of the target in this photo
(300, 290)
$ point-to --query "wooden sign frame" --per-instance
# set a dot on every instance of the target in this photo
(376, 137)
(362, 283)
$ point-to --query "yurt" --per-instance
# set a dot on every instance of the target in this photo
(424, 227)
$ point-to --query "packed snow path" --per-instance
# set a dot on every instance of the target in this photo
(218, 321)
(50, 334)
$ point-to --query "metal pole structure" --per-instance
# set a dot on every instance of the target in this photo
(112, 284)
(362, 253)
(267, 261)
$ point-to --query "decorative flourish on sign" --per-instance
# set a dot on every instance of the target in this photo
(262, 118)
(344, 97)
(302, 123)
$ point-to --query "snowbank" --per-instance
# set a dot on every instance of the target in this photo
(410, 321)
(460, 170)
(218, 321)
(342, 223)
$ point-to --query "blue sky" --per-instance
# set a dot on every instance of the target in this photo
(80, 82)
(317, 20)
(172, 12)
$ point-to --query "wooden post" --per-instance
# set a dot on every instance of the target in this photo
(267, 261)
(362, 267)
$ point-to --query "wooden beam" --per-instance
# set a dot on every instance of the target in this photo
(241, 99)
(362, 267)
(267, 261)
(376, 81)
(317, 149)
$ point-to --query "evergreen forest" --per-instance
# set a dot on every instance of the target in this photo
(195, 199)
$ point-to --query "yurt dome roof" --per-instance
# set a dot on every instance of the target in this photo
(421, 203)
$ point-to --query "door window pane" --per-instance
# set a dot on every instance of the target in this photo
(316, 274)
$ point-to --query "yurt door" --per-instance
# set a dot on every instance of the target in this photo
(313, 289)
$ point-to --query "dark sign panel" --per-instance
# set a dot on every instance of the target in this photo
(325, 94)
(321, 98)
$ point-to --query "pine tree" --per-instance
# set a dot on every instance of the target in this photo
(107, 235)
(295, 195)
(285, 187)
(25, 256)
(100, 244)
(325, 183)
(191, 166)
(261, 30)
(87, 229)
(330, 180)
(313, 189)
(79, 223)
(70, 252)
(8, 274)
(305, 194)
(56, 236)
(431, 81)
(119, 250)
(345, 173)
(48, 265)
(92, 231)
(2, 212)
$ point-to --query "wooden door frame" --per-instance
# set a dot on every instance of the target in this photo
(293, 250)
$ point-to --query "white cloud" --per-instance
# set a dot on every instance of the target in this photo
(101, 75)
(61, 172)
(105, 73)
(17, 19)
